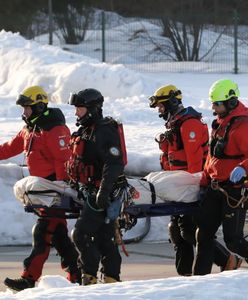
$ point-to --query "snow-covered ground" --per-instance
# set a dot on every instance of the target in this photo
(227, 285)
(24, 63)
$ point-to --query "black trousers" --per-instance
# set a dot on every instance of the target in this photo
(95, 242)
(182, 231)
(215, 212)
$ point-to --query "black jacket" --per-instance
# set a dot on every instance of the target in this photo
(102, 150)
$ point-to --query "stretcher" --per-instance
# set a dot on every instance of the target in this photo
(70, 210)
(161, 209)
(127, 219)
(153, 197)
(158, 194)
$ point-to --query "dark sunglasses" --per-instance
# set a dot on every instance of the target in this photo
(154, 100)
(75, 100)
(24, 101)
(218, 103)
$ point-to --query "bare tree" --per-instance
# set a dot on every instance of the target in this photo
(185, 38)
(73, 22)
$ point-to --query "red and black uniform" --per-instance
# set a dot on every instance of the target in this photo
(96, 162)
(185, 142)
(45, 146)
(185, 147)
(228, 149)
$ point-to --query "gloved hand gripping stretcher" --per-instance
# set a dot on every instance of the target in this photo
(158, 194)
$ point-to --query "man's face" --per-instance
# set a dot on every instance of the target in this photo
(219, 108)
(27, 111)
(161, 108)
(80, 111)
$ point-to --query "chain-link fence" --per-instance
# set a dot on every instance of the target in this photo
(162, 44)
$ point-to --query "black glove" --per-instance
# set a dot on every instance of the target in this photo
(102, 199)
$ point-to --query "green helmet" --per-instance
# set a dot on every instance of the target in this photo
(222, 90)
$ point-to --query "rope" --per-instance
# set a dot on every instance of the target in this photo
(118, 237)
(215, 186)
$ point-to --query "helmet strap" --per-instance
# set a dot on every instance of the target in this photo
(29, 121)
(166, 116)
(37, 110)
(85, 120)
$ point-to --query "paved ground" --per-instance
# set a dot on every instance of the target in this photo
(145, 261)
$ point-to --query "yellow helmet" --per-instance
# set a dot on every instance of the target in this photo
(31, 96)
(164, 94)
(223, 90)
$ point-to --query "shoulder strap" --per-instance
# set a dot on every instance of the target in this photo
(229, 125)
(108, 120)
(118, 125)
(226, 136)
(177, 127)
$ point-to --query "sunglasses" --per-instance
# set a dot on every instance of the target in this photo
(24, 101)
(76, 100)
(154, 100)
(218, 103)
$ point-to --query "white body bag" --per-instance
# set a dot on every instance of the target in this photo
(164, 186)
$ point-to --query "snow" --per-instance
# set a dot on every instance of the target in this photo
(226, 285)
(24, 63)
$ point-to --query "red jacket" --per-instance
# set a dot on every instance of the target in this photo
(236, 145)
(186, 145)
(46, 148)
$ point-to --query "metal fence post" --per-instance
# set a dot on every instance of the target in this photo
(103, 37)
(235, 42)
(50, 22)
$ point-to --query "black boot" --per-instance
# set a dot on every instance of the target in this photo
(19, 284)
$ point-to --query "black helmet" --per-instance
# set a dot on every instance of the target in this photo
(91, 99)
(87, 98)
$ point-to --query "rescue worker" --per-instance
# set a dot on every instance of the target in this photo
(96, 165)
(223, 194)
(184, 146)
(44, 141)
